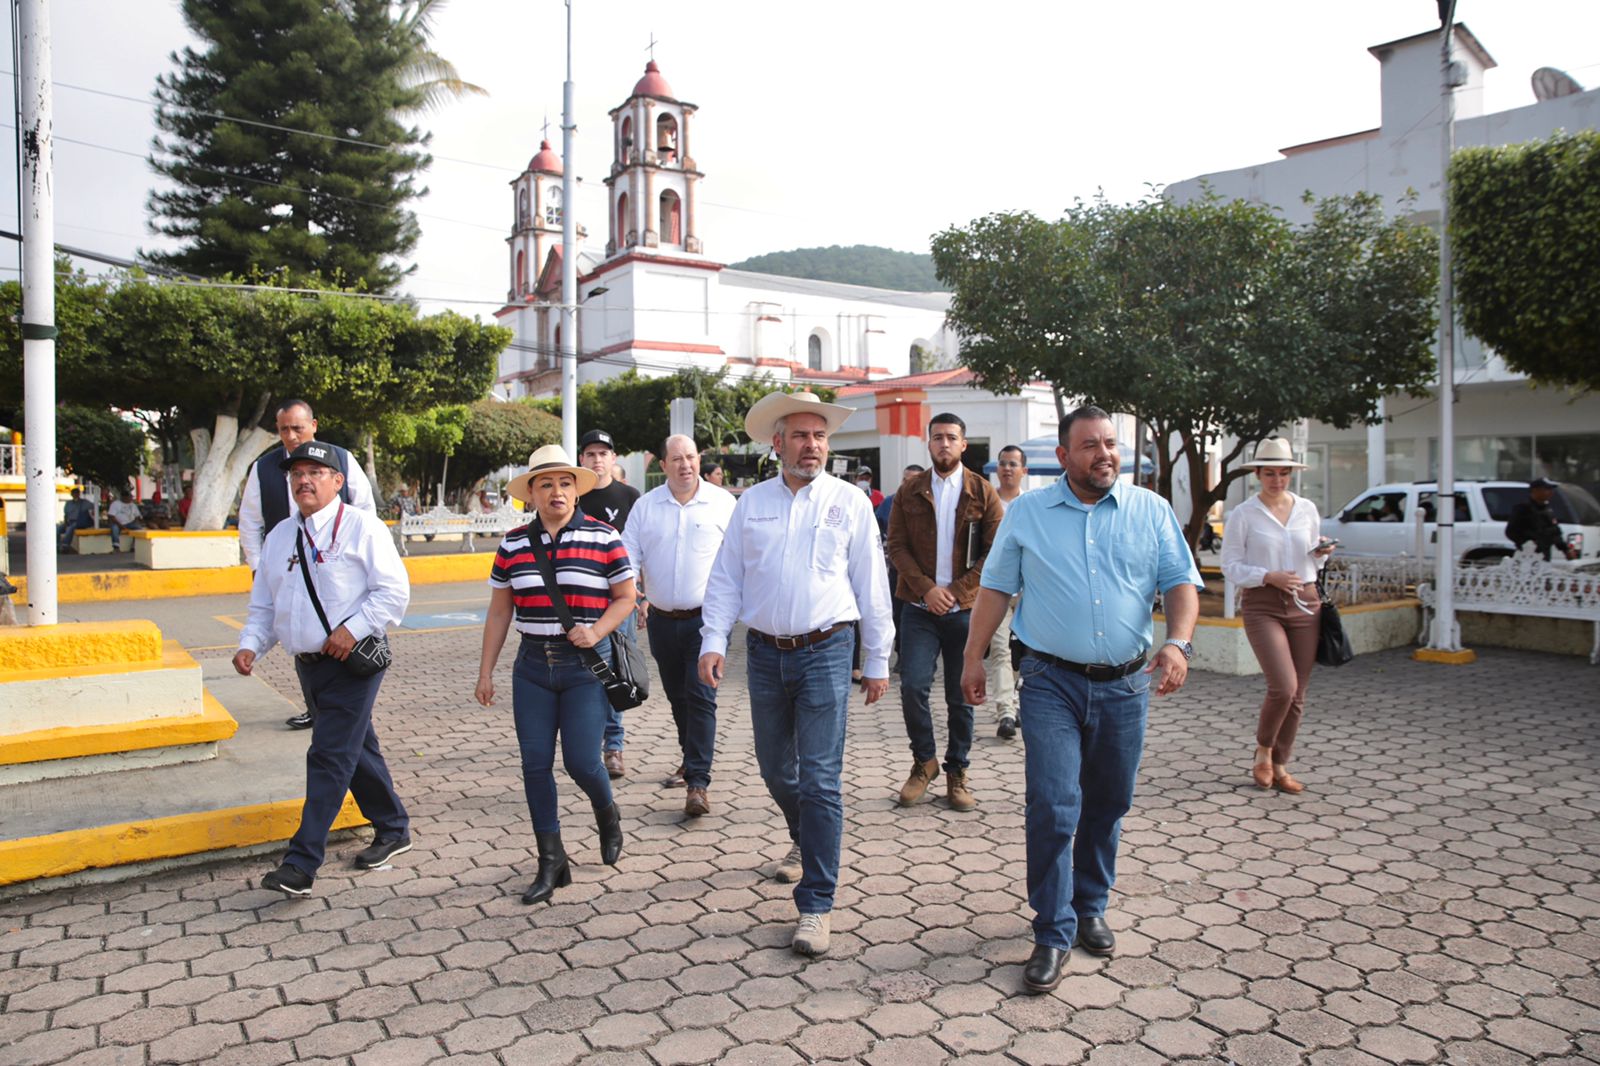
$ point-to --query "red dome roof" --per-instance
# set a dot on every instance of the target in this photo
(546, 162)
(653, 84)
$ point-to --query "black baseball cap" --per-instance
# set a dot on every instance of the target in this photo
(312, 451)
(596, 436)
(1541, 483)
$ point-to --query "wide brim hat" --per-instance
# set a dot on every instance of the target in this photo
(1274, 451)
(551, 459)
(761, 422)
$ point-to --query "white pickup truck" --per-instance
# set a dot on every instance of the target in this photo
(1394, 520)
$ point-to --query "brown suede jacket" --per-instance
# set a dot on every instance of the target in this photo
(914, 535)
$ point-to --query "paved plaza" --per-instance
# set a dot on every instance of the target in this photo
(1434, 896)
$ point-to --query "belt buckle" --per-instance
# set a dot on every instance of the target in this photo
(786, 643)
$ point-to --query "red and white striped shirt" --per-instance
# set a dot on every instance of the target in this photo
(589, 559)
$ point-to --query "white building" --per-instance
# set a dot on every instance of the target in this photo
(1504, 427)
(652, 300)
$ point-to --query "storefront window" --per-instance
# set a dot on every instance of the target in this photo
(1487, 458)
(1572, 457)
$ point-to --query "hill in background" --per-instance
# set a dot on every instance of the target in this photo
(859, 264)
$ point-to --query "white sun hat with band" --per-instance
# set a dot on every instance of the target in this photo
(551, 459)
(762, 420)
(1274, 451)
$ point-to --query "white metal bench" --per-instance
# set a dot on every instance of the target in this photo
(1522, 584)
(441, 521)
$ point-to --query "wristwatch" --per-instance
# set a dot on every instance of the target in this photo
(1183, 646)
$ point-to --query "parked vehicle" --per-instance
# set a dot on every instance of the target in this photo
(1398, 519)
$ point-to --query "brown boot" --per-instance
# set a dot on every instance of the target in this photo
(956, 791)
(695, 803)
(922, 775)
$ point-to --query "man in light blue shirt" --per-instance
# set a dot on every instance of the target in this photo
(1087, 558)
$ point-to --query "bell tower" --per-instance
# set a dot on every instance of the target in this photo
(653, 182)
(536, 229)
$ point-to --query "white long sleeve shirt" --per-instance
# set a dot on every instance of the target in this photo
(1255, 543)
(250, 520)
(796, 562)
(946, 491)
(360, 581)
(672, 545)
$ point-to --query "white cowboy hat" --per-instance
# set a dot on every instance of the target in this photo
(1274, 451)
(762, 420)
(552, 458)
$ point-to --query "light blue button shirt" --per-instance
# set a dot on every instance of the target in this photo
(1088, 575)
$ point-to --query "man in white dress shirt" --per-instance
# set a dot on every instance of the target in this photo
(672, 537)
(266, 500)
(801, 566)
(1011, 468)
(363, 588)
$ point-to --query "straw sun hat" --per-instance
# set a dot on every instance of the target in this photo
(552, 458)
(1274, 451)
(762, 420)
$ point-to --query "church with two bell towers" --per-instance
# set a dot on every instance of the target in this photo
(651, 299)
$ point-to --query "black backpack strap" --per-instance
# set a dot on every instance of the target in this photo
(558, 599)
(305, 572)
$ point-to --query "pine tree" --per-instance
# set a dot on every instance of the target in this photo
(283, 142)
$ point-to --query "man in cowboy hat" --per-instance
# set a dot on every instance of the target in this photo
(348, 555)
(801, 566)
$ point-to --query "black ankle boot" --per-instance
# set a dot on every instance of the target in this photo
(554, 871)
(609, 821)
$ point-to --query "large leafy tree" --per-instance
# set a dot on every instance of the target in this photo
(283, 141)
(1209, 320)
(1525, 233)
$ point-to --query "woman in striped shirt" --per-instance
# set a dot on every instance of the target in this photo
(552, 692)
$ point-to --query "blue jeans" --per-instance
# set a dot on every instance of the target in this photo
(1082, 742)
(675, 646)
(925, 637)
(553, 692)
(343, 757)
(613, 725)
(798, 704)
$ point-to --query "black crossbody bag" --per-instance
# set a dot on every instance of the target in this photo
(627, 683)
(371, 654)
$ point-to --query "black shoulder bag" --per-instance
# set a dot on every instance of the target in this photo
(1333, 645)
(627, 683)
(371, 654)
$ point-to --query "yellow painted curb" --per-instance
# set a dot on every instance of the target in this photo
(173, 657)
(73, 742)
(154, 534)
(447, 569)
(72, 644)
(60, 854)
(1451, 658)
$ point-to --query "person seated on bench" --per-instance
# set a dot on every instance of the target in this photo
(77, 514)
(123, 514)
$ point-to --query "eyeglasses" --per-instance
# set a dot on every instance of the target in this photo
(311, 475)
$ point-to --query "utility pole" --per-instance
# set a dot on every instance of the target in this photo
(38, 308)
(569, 263)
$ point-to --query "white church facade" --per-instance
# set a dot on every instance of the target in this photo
(651, 299)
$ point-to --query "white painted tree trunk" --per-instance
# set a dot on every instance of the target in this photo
(222, 461)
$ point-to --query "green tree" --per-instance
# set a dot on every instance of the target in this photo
(99, 445)
(1207, 320)
(282, 140)
(501, 434)
(1525, 255)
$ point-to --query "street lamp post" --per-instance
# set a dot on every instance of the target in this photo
(569, 262)
(38, 308)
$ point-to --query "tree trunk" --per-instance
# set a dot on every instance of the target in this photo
(1200, 496)
(372, 468)
(227, 454)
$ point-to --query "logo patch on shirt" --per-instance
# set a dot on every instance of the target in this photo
(834, 517)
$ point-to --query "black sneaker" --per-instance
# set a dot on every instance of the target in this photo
(300, 721)
(1007, 728)
(381, 851)
(6, 587)
(290, 880)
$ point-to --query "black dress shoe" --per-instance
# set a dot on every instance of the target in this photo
(1043, 971)
(302, 720)
(1095, 936)
(1007, 728)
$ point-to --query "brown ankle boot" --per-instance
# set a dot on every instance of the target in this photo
(956, 791)
(922, 775)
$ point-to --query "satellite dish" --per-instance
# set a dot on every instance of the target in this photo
(1550, 83)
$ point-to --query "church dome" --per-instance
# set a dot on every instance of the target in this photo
(546, 162)
(653, 84)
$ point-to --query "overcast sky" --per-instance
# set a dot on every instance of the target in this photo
(830, 122)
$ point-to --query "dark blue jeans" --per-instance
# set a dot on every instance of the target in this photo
(798, 704)
(553, 693)
(675, 646)
(343, 757)
(1083, 740)
(613, 723)
(924, 638)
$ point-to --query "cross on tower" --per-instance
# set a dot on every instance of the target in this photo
(544, 133)
(652, 48)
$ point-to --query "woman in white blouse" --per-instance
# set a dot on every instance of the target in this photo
(1273, 549)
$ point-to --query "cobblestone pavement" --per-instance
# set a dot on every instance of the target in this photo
(1432, 897)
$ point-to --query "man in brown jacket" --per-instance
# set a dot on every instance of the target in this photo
(940, 530)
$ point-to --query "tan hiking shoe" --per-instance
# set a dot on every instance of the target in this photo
(922, 775)
(957, 792)
(789, 867)
(811, 934)
(695, 803)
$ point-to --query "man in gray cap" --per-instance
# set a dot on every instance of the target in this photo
(1536, 520)
(610, 501)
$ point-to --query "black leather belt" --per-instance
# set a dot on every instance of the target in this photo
(692, 612)
(804, 640)
(1093, 671)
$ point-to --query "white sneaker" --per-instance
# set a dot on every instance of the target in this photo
(789, 867)
(811, 934)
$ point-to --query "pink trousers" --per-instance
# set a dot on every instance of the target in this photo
(1284, 639)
